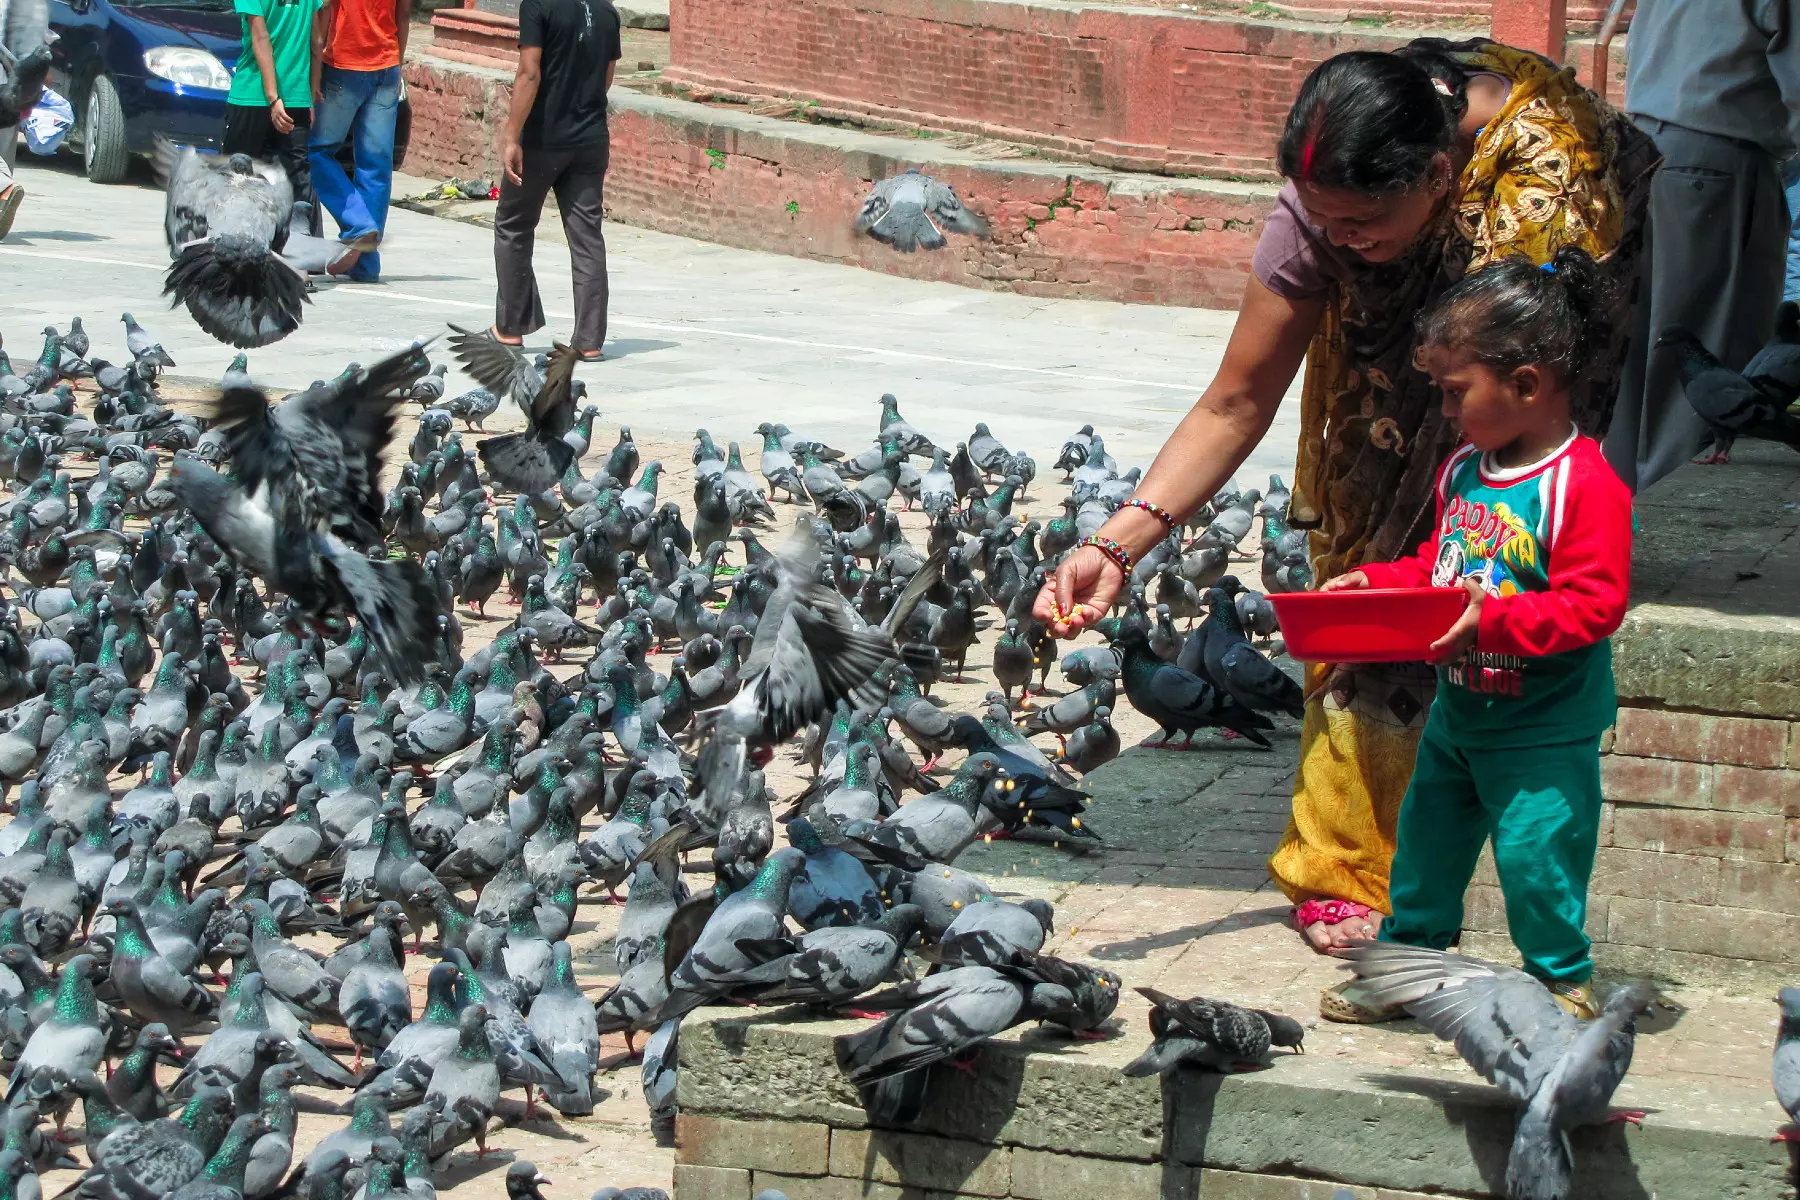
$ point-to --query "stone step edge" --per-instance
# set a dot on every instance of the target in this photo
(1358, 1124)
(911, 151)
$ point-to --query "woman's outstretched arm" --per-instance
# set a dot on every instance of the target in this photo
(1267, 346)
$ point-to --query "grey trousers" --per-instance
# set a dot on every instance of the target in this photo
(578, 178)
(1714, 256)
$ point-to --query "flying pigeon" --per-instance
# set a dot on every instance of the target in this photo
(912, 210)
(1509, 1028)
(533, 460)
(226, 219)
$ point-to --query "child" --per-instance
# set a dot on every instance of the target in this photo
(268, 111)
(1535, 525)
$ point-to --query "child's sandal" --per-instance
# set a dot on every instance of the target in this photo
(1335, 1005)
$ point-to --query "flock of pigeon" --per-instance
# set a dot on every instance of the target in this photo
(172, 821)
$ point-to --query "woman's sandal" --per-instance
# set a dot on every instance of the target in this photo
(1326, 912)
(590, 356)
(494, 334)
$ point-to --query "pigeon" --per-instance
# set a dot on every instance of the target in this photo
(1214, 1035)
(562, 1021)
(1775, 368)
(144, 348)
(465, 1086)
(391, 600)
(999, 924)
(1507, 1026)
(304, 250)
(148, 1161)
(226, 218)
(1786, 1069)
(373, 996)
(912, 210)
(833, 965)
(523, 1181)
(533, 460)
(1730, 405)
(1178, 700)
(151, 987)
(71, 1038)
(714, 964)
(944, 1014)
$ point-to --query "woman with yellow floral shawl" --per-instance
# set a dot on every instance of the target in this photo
(1405, 170)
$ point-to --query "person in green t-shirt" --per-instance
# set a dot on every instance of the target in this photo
(268, 112)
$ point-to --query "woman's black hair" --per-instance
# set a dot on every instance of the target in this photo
(1367, 122)
(1514, 313)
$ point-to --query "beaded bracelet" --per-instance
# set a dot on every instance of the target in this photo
(1156, 510)
(1121, 558)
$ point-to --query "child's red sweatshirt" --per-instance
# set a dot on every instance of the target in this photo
(1550, 544)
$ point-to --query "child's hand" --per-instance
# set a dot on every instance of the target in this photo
(1344, 582)
(1459, 639)
(278, 117)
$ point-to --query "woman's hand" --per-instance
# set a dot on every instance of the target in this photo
(1459, 639)
(1081, 592)
(1345, 582)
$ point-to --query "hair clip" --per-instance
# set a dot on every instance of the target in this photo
(1442, 87)
(1549, 266)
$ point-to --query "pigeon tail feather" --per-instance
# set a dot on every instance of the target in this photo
(530, 462)
(237, 290)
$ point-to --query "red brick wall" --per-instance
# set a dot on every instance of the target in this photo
(1130, 87)
(729, 178)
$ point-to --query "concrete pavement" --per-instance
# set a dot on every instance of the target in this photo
(702, 334)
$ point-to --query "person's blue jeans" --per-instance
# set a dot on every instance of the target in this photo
(362, 106)
(1790, 176)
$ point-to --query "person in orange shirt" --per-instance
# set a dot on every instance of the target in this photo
(358, 97)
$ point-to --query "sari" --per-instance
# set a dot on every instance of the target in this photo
(1556, 167)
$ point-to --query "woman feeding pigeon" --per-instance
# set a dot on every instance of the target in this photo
(1405, 171)
(1536, 526)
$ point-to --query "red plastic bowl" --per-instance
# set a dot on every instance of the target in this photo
(1366, 624)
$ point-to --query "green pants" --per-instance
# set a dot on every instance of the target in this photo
(1541, 805)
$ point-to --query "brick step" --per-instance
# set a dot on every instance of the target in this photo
(793, 187)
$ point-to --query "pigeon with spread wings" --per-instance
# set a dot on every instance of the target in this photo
(1509, 1027)
(226, 219)
(912, 209)
(315, 459)
(533, 460)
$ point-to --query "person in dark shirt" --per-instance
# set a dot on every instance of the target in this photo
(555, 139)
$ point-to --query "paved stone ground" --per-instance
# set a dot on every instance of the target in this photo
(1179, 898)
(700, 334)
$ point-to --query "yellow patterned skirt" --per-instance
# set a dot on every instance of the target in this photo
(1357, 746)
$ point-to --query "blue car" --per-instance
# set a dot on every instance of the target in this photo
(134, 69)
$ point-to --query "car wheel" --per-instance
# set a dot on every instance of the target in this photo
(103, 150)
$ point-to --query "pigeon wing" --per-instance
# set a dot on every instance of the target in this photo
(501, 369)
(942, 203)
(820, 658)
(193, 187)
(1505, 1023)
(553, 410)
